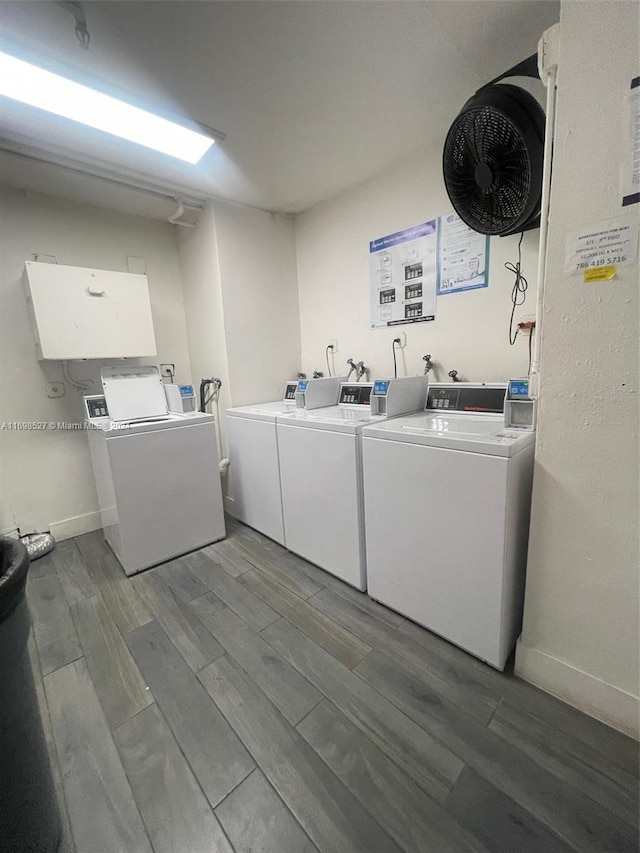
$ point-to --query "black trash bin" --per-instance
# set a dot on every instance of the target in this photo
(29, 817)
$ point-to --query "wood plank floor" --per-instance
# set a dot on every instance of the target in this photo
(241, 700)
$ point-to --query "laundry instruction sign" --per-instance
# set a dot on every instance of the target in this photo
(403, 269)
(463, 256)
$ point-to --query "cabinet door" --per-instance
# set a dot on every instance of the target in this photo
(86, 313)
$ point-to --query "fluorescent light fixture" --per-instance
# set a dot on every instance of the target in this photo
(36, 87)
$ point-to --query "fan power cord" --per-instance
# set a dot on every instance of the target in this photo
(519, 289)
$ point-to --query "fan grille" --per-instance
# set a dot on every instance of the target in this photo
(492, 165)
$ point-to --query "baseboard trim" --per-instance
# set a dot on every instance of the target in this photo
(68, 527)
(597, 698)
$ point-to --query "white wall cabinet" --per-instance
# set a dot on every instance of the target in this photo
(80, 313)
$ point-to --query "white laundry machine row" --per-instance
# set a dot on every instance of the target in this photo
(254, 474)
(156, 473)
(447, 497)
(321, 472)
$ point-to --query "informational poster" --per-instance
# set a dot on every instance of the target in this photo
(613, 243)
(631, 163)
(403, 274)
(463, 256)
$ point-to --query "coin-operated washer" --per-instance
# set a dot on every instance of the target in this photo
(321, 472)
(156, 472)
(254, 474)
(447, 495)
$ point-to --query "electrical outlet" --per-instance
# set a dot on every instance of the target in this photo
(403, 339)
(168, 371)
(334, 344)
(55, 389)
(526, 325)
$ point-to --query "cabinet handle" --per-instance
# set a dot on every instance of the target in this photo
(96, 292)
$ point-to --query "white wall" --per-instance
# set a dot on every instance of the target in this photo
(47, 481)
(241, 302)
(580, 638)
(470, 333)
(260, 296)
(202, 288)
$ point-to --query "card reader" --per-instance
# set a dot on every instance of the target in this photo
(519, 407)
(181, 398)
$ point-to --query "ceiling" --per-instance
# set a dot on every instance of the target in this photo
(314, 97)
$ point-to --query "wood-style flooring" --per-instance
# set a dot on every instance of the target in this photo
(241, 699)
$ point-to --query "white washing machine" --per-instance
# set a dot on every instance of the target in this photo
(447, 496)
(156, 473)
(321, 472)
(254, 473)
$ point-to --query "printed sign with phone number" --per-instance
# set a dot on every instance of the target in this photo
(615, 244)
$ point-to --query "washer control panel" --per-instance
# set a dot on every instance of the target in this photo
(95, 406)
(460, 397)
(355, 395)
(290, 392)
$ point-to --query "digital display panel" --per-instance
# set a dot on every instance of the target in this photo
(519, 389)
(186, 390)
(380, 386)
(303, 384)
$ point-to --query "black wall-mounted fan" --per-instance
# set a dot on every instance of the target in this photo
(493, 157)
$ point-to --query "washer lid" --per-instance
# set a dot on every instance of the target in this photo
(111, 429)
(261, 411)
(337, 418)
(485, 434)
(134, 393)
